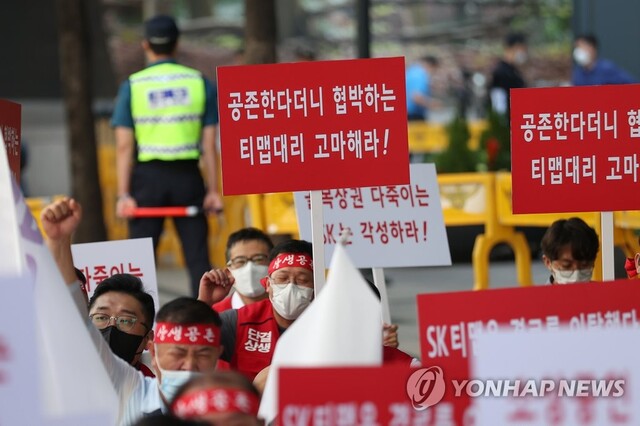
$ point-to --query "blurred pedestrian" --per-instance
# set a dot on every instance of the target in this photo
(591, 70)
(507, 74)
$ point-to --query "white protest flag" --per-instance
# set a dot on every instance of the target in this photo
(341, 327)
(19, 397)
(9, 263)
(72, 379)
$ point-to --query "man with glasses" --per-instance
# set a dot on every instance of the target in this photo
(247, 260)
(186, 341)
(249, 334)
(569, 250)
(123, 312)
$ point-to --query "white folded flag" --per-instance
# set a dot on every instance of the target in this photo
(73, 380)
(341, 327)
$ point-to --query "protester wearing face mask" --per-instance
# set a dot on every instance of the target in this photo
(249, 334)
(507, 74)
(589, 70)
(569, 248)
(247, 261)
(123, 312)
(186, 340)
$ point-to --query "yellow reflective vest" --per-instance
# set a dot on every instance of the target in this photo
(167, 105)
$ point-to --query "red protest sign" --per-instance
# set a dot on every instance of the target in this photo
(352, 396)
(575, 148)
(10, 115)
(449, 322)
(313, 125)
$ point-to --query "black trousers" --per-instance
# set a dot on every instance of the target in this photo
(173, 183)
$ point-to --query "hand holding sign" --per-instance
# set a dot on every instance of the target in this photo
(390, 335)
(215, 285)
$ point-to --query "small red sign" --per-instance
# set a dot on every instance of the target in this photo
(10, 116)
(449, 322)
(575, 149)
(313, 125)
(353, 396)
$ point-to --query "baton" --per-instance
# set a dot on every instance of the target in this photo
(179, 211)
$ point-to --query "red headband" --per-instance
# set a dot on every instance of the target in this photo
(630, 267)
(286, 260)
(187, 334)
(203, 402)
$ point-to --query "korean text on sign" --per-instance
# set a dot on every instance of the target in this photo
(577, 153)
(327, 123)
(389, 226)
(450, 324)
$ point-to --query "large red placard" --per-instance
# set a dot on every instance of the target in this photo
(348, 396)
(575, 149)
(313, 125)
(448, 322)
(10, 126)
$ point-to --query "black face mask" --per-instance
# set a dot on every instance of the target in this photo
(122, 344)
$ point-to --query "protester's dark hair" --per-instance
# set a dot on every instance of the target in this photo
(574, 232)
(589, 39)
(131, 285)
(218, 379)
(185, 310)
(431, 60)
(247, 234)
(513, 39)
(167, 420)
(293, 247)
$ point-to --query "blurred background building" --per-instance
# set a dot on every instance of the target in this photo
(465, 34)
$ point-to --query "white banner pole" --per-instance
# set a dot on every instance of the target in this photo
(606, 227)
(317, 239)
(380, 282)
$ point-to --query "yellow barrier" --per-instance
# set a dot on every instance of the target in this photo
(624, 222)
(36, 205)
(275, 213)
(469, 199)
(432, 138)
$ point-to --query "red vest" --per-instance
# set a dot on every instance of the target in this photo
(393, 355)
(223, 305)
(220, 307)
(256, 336)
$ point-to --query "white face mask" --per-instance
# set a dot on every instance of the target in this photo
(289, 300)
(248, 279)
(520, 57)
(571, 277)
(581, 56)
(171, 381)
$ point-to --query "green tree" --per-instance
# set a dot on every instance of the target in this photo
(457, 157)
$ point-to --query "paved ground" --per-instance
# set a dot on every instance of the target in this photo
(405, 284)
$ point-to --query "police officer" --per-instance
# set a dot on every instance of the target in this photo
(165, 118)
